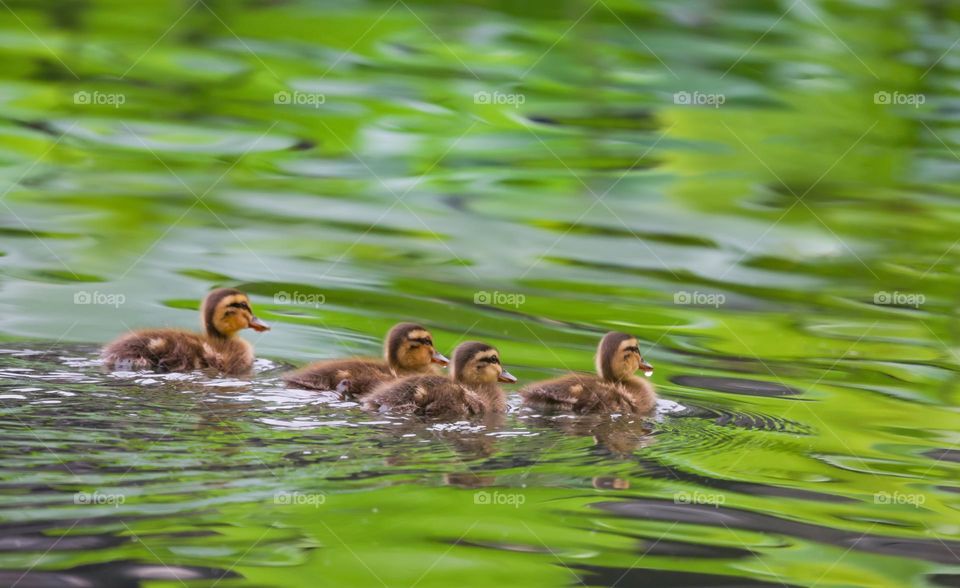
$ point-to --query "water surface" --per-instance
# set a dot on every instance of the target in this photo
(532, 175)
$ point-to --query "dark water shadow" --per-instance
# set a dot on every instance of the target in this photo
(933, 550)
(115, 574)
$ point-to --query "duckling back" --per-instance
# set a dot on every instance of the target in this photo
(566, 393)
(429, 396)
(175, 350)
(170, 350)
(591, 394)
(358, 376)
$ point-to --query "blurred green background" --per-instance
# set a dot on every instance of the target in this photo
(764, 192)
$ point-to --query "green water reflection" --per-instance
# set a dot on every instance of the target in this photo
(787, 257)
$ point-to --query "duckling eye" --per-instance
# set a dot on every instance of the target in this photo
(242, 305)
(421, 341)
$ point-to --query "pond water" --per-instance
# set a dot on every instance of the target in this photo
(765, 193)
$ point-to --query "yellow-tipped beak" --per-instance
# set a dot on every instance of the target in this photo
(258, 325)
(647, 368)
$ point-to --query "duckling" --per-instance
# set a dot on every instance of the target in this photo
(408, 350)
(224, 313)
(614, 389)
(471, 390)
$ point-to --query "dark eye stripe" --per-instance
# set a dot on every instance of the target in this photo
(242, 305)
(422, 341)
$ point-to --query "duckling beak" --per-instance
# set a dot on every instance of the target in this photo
(647, 368)
(438, 357)
(507, 377)
(258, 325)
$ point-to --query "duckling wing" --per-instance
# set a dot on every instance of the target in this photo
(432, 396)
(563, 393)
(599, 398)
(398, 395)
(170, 350)
(633, 396)
(474, 404)
(362, 375)
(450, 401)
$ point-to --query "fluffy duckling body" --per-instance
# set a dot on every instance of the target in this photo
(408, 350)
(615, 388)
(470, 391)
(224, 313)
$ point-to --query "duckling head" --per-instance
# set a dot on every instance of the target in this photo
(409, 348)
(618, 357)
(478, 363)
(227, 311)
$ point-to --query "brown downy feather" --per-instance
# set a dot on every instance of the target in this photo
(429, 396)
(408, 350)
(361, 375)
(177, 350)
(615, 389)
(470, 391)
(169, 350)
